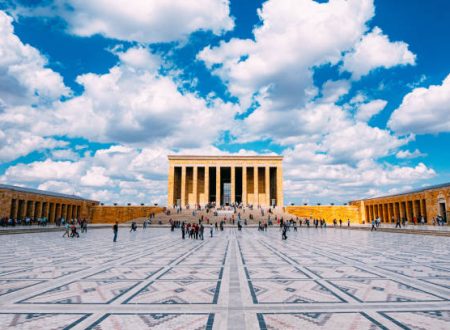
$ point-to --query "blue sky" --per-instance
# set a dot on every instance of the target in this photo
(354, 94)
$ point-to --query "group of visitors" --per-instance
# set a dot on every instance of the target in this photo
(27, 221)
(71, 228)
(194, 231)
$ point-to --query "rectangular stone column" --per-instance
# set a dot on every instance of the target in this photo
(206, 184)
(15, 208)
(255, 186)
(38, 209)
(280, 200)
(183, 186)
(423, 209)
(267, 185)
(408, 213)
(218, 201)
(233, 184)
(396, 211)
(244, 185)
(171, 183)
(195, 184)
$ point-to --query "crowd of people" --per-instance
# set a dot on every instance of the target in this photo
(238, 216)
(42, 222)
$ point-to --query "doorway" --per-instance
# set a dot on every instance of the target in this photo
(442, 211)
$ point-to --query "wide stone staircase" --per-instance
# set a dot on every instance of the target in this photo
(227, 213)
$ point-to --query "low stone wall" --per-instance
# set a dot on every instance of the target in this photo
(327, 212)
(111, 214)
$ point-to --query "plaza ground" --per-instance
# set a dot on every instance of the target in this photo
(318, 278)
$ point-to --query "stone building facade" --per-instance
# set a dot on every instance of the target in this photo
(251, 180)
(327, 212)
(20, 203)
(428, 202)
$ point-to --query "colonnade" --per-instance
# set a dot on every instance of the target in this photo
(255, 185)
(23, 208)
(391, 210)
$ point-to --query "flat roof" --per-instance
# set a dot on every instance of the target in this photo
(415, 191)
(42, 192)
(228, 157)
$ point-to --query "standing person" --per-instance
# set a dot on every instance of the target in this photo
(84, 226)
(183, 230)
(211, 230)
(202, 230)
(283, 235)
(348, 222)
(115, 230)
(340, 222)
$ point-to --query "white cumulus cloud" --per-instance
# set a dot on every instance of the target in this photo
(148, 21)
(424, 110)
(24, 77)
(375, 50)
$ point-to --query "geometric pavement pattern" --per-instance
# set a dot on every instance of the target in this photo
(317, 279)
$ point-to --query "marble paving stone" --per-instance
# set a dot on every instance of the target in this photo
(124, 273)
(292, 292)
(417, 271)
(318, 278)
(9, 269)
(436, 320)
(8, 286)
(35, 321)
(155, 321)
(192, 273)
(331, 321)
(177, 292)
(83, 292)
(444, 282)
(340, 272)
(315, 260)
(149, 260)
(43, 272)
(383, 290)
(280, 272)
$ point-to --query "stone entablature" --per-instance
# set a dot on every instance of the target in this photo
(428, 202)
(20, 203)
(251, 180)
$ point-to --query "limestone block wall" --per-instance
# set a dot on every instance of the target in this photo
(111, 214)
(327, 212)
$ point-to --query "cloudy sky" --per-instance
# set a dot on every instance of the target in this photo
(354, 93)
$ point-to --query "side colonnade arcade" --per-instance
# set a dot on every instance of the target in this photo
(21, 203)
(415, 206)
(225, 180)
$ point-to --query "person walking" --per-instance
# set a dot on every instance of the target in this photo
(67, 232)
(115, 230)
(373, 225)
(398, 225)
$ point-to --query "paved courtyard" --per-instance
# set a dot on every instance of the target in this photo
(327, 279)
